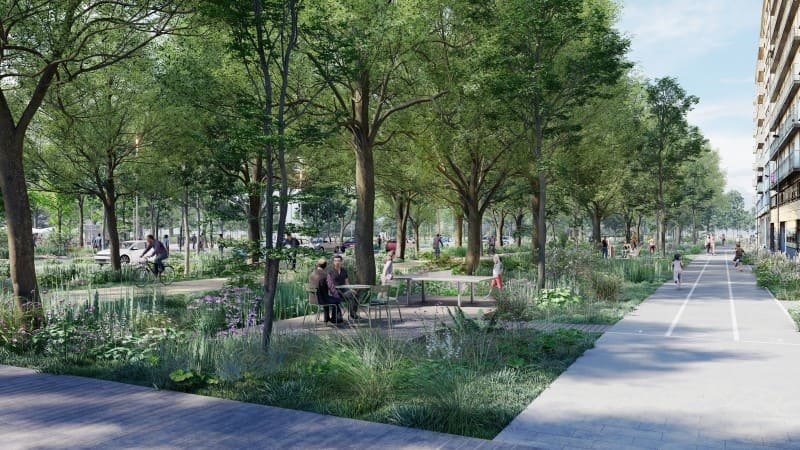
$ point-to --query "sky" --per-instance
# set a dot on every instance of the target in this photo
(710, 47)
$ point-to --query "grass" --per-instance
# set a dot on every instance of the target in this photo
(467, 382)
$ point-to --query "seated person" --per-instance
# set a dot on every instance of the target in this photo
(327, 296)
(160, 253)
(340, 277)
(626, 249)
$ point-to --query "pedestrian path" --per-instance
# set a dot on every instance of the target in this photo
(41, 411)
(712, 365)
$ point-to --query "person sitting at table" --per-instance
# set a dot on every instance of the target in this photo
(327, 296)
(340, 278)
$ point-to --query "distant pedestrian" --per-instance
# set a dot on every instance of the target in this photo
(292, 243)
(220, 245)
(708, 243)
(437, 245)
(738, 255)
(180, 242)
(491, 243)
(677, 268)
(652, 246)
(165, 241)
(723, 239)
(713, 244)
(97, 243)
(497, 273)
(193, 240)
(604, 247)
(380, 241)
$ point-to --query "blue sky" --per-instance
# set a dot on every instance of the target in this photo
(710, 47)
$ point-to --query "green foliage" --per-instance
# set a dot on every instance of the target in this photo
(549, 299)
(780, 275)
(606, 287)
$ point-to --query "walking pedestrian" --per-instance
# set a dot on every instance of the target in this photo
(652, 246)
(292, 243)
(604, 247)
(165, 241)
(738, 255)
(193, 240)
(437, 245)
(677, 268)
(220, 245)
(708, 243)
(497, 273)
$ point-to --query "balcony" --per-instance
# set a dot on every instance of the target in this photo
(786, 167)
(785, 133)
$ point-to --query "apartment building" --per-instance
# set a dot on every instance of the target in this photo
(777, 127)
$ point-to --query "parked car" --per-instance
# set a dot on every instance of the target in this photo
(349, 243)
(323, 244)
(129, 252)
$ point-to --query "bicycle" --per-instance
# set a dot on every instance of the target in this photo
(146, 274)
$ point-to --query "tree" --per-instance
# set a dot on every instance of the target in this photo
(554, 55)
(670, 141)
(42, 41)
(367, 53)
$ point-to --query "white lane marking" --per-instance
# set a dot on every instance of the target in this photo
(734, 321)
(780, 305)
(686, 302)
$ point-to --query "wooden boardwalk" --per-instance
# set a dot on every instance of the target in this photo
(42, 411)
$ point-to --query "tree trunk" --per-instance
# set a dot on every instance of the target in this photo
(474, 222)
(110, 204)
(254, 221)
(694, 226)
(541, 229)
(199, 224)
(416, 226)
(187, 248)
(365, 212)
(459, 228)
(19, 227)
(153, 219)
(81, 219)
(501, 224)
(402, 211)
(596, 220)
(518, 228)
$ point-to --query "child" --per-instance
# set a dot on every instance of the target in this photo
(677, 268)
(738, 255)
(497, 273)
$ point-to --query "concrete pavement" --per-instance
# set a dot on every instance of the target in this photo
(713, 365)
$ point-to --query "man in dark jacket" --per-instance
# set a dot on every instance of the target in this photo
(160, 253)
(327, 296)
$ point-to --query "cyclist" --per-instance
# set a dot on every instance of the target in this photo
(160, 253)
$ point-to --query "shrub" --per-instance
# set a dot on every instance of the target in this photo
(605, 287)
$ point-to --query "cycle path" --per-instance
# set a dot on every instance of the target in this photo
(711, 365)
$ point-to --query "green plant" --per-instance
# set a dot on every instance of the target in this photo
(605, 287)
(556, 298)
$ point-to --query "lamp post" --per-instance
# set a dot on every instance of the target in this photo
(136, 202)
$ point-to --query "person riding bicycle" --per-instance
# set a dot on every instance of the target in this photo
(160, 253)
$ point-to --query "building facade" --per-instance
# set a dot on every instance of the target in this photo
(777, 127)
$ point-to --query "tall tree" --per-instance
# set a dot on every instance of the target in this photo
(670, 141)
(42, 41)
(554, 55)
(368, 54)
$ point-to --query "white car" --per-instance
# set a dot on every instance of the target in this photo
(129, 252)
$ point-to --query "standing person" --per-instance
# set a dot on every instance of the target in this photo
(380, 241)
(388, 269)
(220, 245)
(652, 246)
(738, 255)
(160, 253)
(677, 268)
(437, 245)
(497, 273)
(723, 239)
(340, 278)
(491, 243)
(713, 244)
(292, 243)
(708, 243)
(194, 241)
(327, 296)
(97, 243)
(604, 247)
(165, 241)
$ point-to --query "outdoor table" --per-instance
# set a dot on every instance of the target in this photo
(362, 290)
(458, 279)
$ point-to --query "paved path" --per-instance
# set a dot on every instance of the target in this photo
(120, 291)
(714, 364)
(40, 411)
